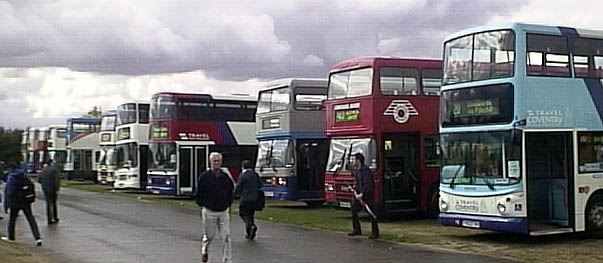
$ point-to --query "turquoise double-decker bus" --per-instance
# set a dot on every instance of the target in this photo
(521, 129)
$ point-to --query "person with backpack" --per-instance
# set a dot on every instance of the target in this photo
(19, 194)
(51, 184)
(248, 186)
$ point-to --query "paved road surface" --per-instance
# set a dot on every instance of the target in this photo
(106, 228)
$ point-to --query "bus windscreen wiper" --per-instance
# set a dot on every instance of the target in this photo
(341, 162)
(455, 175)
(488, 183)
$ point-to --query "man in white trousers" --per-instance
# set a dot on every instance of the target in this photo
(214, 196)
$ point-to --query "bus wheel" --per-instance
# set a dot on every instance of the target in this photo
(433, 205)
(594, 216)
(314, 204)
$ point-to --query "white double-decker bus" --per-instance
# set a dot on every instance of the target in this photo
(82, 143)
(107, 161)
(132, 145)
(57, 145)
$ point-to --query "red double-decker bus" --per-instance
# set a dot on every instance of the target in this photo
(387, 109)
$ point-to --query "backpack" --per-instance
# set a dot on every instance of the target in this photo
(27, 191)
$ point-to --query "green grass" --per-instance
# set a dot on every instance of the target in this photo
(411, 229)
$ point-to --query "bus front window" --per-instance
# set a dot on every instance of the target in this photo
(342, 150)
(163, 107)
(110, 157)
(127, 155)
(163, 156)
(108, 123)
(126, 113)
(485, 158)
(348, 84)
(275, 154)
(479, 56)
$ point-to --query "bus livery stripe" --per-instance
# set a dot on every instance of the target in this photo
(225, 133)
(596, 93)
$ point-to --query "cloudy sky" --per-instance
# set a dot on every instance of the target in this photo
(61, 58)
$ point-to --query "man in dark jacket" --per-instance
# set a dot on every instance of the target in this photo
(16, 201)
(214, 196)
(363, 191)
(247, 187)
(51, 184)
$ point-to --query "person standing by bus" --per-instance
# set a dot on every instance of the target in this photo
(49, 179)
(247, 188)
(363, 191)
(214, 196)
(19, 196)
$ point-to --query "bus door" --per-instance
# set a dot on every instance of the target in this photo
(143, 164)
(192, 163)
(400, 169)
(311, 158)
(185, 169)
(549, 169)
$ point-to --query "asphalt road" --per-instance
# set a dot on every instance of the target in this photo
(98, 227)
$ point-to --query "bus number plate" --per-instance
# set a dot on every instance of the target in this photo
(345, 204)
(471, 223)
(155, 191)
(268, 194)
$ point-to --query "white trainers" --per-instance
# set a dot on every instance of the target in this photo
(7, 240)
(39, 242)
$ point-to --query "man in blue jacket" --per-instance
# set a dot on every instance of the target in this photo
(214, 196)
(247, 188)
(16, 201)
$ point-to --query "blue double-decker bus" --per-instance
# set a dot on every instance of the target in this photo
(521, 129)
(293, 147)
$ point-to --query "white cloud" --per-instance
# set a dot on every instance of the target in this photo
(313, 61)
(578, 13)
(65, 93)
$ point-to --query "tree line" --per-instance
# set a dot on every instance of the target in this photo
(10, 145)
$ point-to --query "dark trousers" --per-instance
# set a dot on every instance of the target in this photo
(52, 214)
(246, 211)
(357, 207)
(14, 211)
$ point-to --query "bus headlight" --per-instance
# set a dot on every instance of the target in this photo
(149, 181)
(329, 187)
(282, 181)
(501, 208)
(443, 205)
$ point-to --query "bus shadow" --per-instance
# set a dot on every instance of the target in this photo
(516, 239)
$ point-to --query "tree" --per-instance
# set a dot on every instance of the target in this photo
(10, 145)
(96, 112)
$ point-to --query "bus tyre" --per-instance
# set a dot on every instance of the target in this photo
(314, 204)
(594, 216)
(433, 205)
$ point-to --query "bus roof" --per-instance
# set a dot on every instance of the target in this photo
(110, 113)
(312, 82)
(57, 126)
(84, 120)
(203, 96)
(370, 61)
(535, 28)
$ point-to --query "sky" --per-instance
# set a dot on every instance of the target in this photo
(59, 59)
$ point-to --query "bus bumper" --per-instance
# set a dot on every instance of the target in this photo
(161, 190)
(279, 193)
(504, 224)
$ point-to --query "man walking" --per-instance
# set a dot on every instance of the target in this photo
(363, 192)
(49, 179)
(247, 187)
(214, 196)
(19, 197)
